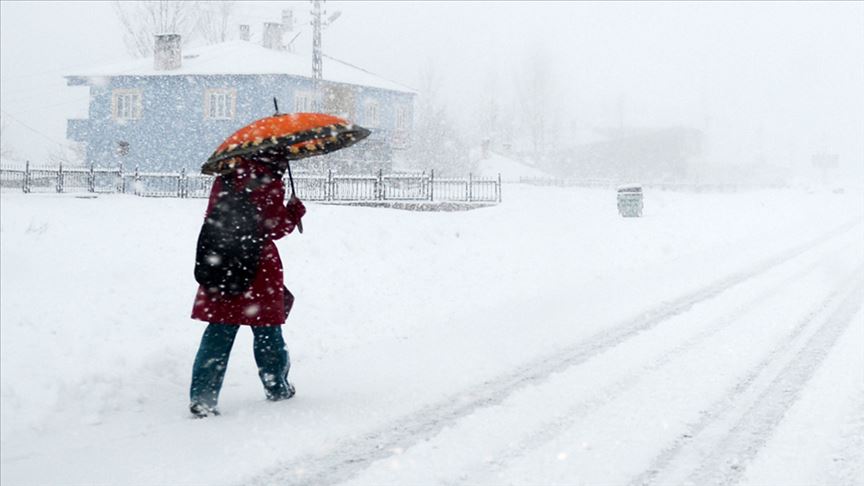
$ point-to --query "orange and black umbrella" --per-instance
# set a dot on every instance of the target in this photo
(281, 138)
(284, 137)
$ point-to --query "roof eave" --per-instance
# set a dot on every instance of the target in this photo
(85, 79)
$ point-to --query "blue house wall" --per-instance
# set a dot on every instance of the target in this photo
(173, 132)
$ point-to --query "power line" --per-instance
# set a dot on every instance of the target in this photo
(50, 139)
(12, 98)
(52, 105)
(34, 85)
(64, 68)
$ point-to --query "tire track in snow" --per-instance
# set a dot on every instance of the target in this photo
(350, 456)
(762, 409)
(563, 421)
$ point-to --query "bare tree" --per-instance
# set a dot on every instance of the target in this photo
(5, 151)
(214, 21)
(536, 101)
(495, 112)
(490, 109)
(436, 144)
(141, 20)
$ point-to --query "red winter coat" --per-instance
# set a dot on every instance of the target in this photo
(264, 303)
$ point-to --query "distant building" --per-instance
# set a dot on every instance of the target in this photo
(494, 164)
(171, 111)
(633, 154)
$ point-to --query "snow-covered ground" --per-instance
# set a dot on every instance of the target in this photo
(717, 340)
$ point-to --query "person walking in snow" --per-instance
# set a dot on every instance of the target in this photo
(261, 301)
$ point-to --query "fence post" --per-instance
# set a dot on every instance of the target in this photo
(470, 184)
(60, 178)
(431, 184)
(380, 184)
(499, 187)
(26, 186)
(136, 182)
(180, 182)
(121, 181)
(328, 188)
(91, 181)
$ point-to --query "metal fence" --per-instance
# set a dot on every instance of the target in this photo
(353, 188)
(407, 187)
(310, 187)
(62, 179)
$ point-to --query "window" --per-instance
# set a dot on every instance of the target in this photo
(401, 117)
(372, 114)
(126, 104)
(219, 104)
(304, 102)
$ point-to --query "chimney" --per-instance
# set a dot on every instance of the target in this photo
(287, 20)
(272, 37)
(245, 33)
(166, 52)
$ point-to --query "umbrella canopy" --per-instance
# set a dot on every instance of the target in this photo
(284, 137)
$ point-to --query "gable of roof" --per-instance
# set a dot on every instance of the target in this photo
(247, 58)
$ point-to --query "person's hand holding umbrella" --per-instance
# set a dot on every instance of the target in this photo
(295, 206)
(296, 210)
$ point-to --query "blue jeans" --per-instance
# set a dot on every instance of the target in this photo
(271, 356)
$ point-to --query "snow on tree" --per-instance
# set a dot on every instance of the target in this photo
(141, 20)
(437, 143)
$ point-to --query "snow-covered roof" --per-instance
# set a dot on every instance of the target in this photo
(243, 57)
(510, 170)
(630, 187)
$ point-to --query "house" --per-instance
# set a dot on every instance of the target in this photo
(171, 111)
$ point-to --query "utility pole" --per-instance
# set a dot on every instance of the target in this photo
(317, 61)
(318, 26)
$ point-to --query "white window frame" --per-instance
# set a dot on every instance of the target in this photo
(220, 103)
(401, 117)
(126, 104)
(304, 102)
(371, 113)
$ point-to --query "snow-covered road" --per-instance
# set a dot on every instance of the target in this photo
(752, 341)
(718, 340)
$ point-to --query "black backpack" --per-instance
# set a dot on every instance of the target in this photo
(230, 242)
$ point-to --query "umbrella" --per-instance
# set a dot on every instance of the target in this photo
(284, 137)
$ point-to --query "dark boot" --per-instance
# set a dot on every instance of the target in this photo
(199, 410)
(281, 395)
(208, 372)
(273, 362)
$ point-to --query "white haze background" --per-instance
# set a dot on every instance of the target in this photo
(769, 83)
(702, 326)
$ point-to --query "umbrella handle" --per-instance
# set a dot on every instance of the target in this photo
(293, 193)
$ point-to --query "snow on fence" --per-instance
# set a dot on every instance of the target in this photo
(561, 182)
(663, 186)
(378, 187)
(62, 179)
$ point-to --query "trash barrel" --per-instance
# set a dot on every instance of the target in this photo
(630, 200)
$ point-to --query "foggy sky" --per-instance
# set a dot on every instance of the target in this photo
(778, 79)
